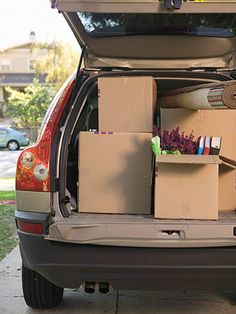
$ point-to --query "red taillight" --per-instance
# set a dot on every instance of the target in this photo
(29, 227)
(26, 135)
(33, 165)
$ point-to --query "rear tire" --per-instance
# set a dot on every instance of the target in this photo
(39, 293)
(13, 145)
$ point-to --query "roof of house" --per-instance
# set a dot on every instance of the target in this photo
(19, 46)
(20, 79)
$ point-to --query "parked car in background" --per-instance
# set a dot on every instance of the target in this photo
(13, 139)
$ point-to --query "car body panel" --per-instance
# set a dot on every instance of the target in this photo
(144, 6)
(41, 201)
(153, 51)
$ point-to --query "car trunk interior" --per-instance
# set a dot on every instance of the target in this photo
(124, 229)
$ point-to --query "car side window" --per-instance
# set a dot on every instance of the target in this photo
(3, 131)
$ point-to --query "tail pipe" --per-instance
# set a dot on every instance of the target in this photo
(89, 287)
(104, 287)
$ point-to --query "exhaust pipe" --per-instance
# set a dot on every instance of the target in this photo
(89, 287)
(104, 287)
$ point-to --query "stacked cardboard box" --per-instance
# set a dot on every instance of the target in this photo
(126, 104)
(115, 164)
(186, 187)
(220, 123)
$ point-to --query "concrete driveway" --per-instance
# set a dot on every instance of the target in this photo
(117, 302)
(8, 163)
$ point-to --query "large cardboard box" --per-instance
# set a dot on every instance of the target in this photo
(115, 171)
(186, 187)
(227, 185)
(126, 104)
(221, 122)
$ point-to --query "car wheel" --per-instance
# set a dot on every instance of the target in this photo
(13, 145)
(39, 293)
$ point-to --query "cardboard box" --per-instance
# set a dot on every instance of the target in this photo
(186, 187)
(227, 185)
(220, 122)
(115, 171)
(126, 104)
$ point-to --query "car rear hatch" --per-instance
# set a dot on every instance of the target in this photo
(153, 34)
(147, 35)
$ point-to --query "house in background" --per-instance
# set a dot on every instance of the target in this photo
(17, 68)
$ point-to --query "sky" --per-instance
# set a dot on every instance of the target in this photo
(19, 17)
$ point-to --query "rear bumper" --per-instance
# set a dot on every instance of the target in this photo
(69, 265)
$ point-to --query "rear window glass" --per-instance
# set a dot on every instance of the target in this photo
(117, 24)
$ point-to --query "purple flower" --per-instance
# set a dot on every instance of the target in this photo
(174, 140)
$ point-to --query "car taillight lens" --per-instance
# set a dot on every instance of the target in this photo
(28, 160)
(33, 165)
(29, 227)
(26, 135)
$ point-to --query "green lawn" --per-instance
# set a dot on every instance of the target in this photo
(8, 237)
(7, 195)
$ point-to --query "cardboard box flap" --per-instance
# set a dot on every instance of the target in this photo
(228, 162)
(188, 159)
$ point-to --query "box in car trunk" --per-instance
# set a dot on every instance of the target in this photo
(115, 171)
(126, 104)
(218, 122)
(186, 187)
(227, 185)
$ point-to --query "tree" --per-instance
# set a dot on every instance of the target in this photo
(59, 63)
(28, 108)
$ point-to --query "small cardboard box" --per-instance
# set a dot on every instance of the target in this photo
(115, 171)
(186, 187)
(126, 104)
(220, 122)
(227, 185)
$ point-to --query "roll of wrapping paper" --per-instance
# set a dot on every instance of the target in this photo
(205, 96)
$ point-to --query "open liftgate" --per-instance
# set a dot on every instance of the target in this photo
(146, 6)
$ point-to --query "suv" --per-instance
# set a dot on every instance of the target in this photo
(179, 44)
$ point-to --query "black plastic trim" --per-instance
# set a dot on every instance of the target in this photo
(55, 145)
(69, 265)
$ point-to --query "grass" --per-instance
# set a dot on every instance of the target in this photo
(7, 195)
(8, 236)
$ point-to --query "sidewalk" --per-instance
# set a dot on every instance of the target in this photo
(8, 169)
(123, 302)
(7, 185)
(8, 163)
